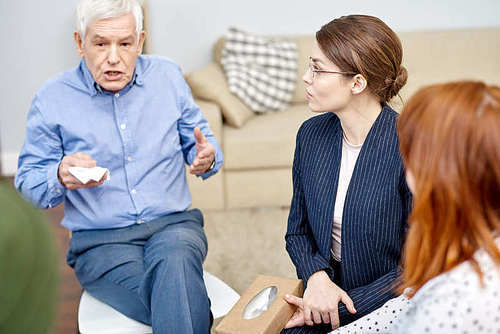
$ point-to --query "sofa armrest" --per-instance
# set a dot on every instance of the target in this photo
(210, 84)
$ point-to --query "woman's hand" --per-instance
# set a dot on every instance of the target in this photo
(297, 319)
(321, 299)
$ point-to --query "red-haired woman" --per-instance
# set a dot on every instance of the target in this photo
(450, 143)
(350, 204)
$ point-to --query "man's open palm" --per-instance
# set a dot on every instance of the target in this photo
(205, 153)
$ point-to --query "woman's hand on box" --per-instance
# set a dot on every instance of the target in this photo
(297, 319)
(321, 300)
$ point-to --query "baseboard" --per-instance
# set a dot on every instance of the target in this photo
(9, 163)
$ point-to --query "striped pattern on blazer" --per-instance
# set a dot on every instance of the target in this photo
(375, 214)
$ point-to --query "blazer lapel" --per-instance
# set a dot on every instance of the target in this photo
(373, 149)
(329, 153)
(366, 172)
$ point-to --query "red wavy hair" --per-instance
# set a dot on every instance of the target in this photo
(450, 141)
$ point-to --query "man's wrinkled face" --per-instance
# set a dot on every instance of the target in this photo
(110, 49)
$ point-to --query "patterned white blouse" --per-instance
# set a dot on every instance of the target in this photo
(453, 302)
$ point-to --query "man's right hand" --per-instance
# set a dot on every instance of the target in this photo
(76, 160)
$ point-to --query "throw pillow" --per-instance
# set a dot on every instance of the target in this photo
(210, 84)
(261, 71)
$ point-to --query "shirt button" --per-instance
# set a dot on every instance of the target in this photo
(133, 192)
(129, 159)
(58, 191)
(123, 126)
(117, 95)
(139, 221)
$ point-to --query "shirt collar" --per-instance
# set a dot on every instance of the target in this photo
(95, 88)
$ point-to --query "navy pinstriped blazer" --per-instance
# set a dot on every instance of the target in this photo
(375, 214)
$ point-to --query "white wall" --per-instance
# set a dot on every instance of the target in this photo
(36, 37)
(36, 43)
(186, 29)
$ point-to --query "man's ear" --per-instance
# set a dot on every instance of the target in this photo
(78, 43)
(359, 84)
(142, 38)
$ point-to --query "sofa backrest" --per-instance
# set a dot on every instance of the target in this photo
(438, 56)
(429, 56)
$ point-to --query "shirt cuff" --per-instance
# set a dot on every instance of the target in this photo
(54, 188)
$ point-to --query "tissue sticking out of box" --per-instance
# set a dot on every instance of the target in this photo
(260, 302)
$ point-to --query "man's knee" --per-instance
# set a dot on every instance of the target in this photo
(115, 261)
(176, 247)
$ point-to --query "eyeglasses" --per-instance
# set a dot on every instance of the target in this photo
(313, 71)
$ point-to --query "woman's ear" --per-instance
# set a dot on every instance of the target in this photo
(358, 84)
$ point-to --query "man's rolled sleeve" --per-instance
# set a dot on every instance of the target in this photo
(37, 174)
(55, 189)
(192, 117)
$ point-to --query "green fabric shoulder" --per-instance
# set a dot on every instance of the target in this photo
(28, 267)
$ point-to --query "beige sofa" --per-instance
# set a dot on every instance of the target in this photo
(259, 149)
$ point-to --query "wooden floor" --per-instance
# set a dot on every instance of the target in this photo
(70, 289)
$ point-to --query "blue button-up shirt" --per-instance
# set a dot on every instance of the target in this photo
(143, 134)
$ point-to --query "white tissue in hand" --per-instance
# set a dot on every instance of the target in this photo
(84, 175)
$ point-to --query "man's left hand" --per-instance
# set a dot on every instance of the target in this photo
(205, 153)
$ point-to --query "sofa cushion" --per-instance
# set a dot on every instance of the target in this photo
(258, 188)
(212, 113)
(218, 47)
(210, 84)
(267, 140)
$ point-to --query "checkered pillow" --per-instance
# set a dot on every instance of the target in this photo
(260, 71)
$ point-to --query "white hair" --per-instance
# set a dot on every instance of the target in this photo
(91, 10)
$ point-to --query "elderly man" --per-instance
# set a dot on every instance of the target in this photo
(135, 246)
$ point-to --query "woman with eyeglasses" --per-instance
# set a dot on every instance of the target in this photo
(350, 203)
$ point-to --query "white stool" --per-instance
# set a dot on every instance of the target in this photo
(95, 317)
